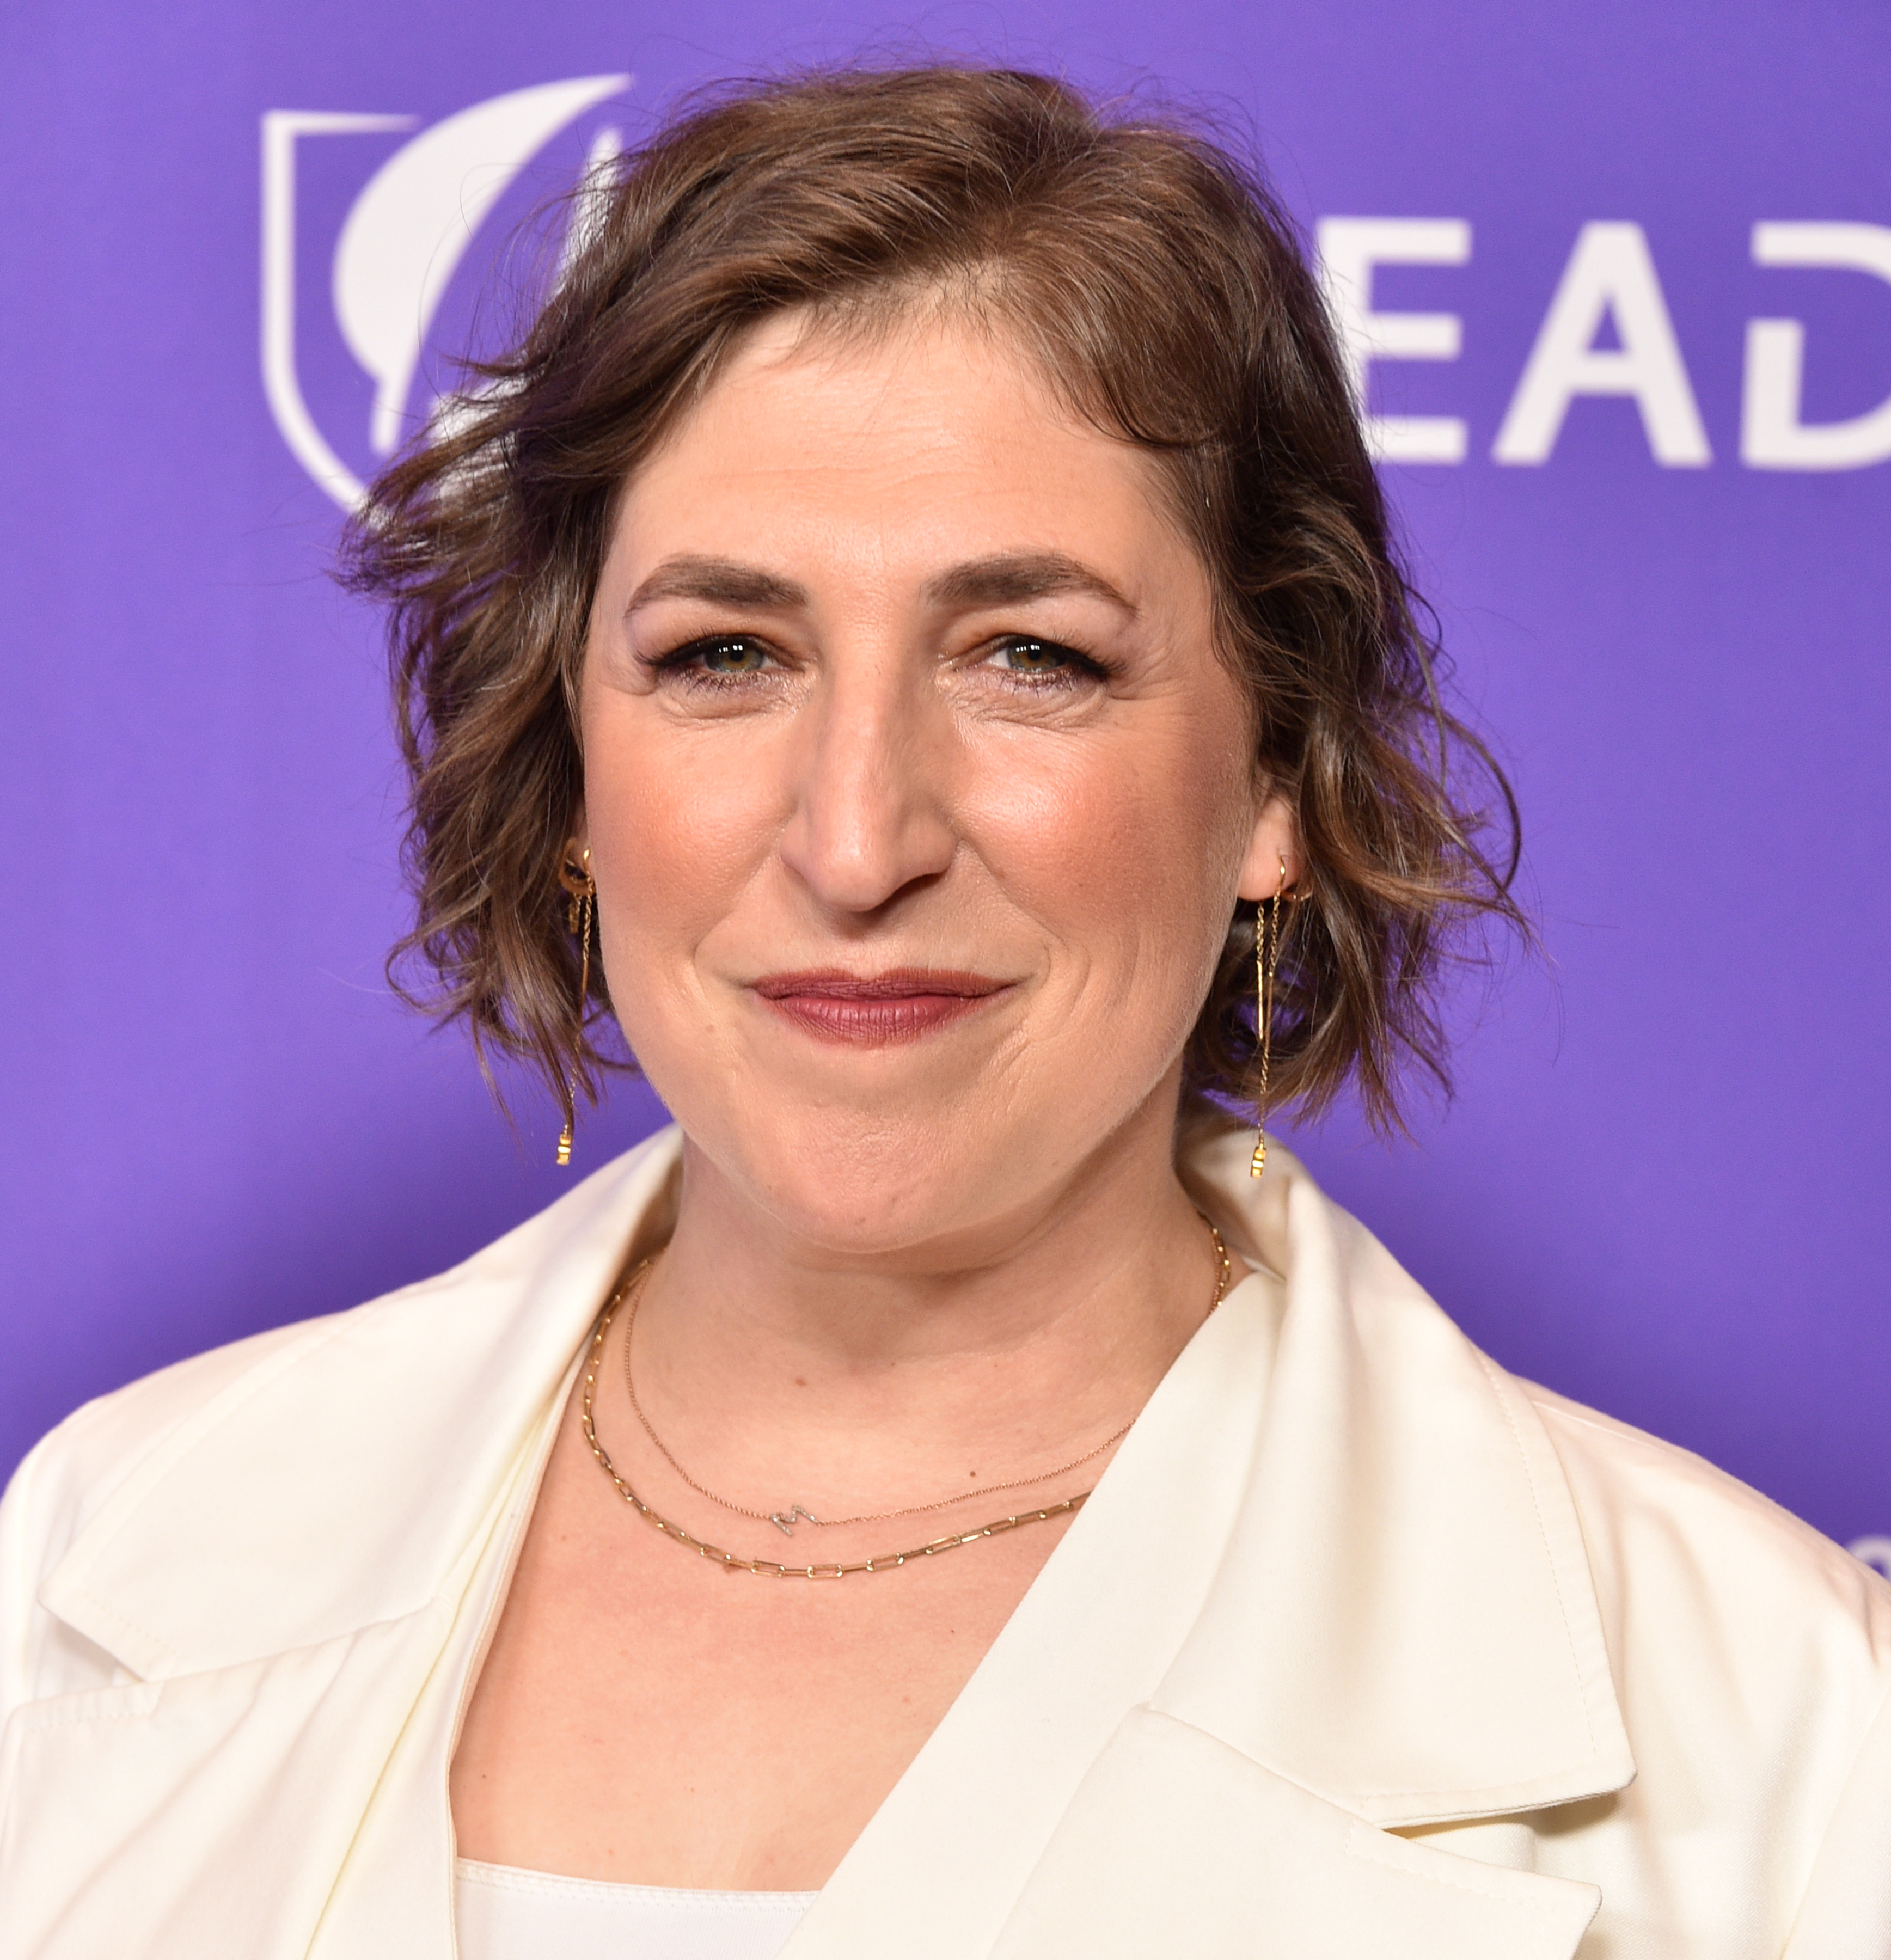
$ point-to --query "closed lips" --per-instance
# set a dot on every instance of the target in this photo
(871, 1009)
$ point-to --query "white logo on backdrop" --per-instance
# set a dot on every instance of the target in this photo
(409, 227)
(404, 236)
(1610, 279)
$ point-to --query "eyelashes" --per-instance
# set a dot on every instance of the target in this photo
(1029, 662)
(716, 660)
(1043, 664)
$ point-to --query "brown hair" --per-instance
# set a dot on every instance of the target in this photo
(1161, 289)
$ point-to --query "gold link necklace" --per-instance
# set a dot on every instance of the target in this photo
(634, 1281)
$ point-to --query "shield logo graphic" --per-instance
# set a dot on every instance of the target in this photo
(405, 234)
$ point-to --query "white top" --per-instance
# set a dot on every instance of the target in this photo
(507, 1915)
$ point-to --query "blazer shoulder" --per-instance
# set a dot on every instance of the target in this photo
(1671, 1537)
(74, 1469)
(68, 1477)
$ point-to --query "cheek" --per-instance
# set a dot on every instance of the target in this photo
(676, 834)
(1129, 851)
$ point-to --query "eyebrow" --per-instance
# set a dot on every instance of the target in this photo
(723, 581)
(1013, 577)
(1008, 579)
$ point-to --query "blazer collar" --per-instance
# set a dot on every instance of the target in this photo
(1404, 1622)
(341, 1482)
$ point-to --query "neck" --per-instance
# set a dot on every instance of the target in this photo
(983, 1352)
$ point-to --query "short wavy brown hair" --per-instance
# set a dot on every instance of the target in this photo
(1161, 289)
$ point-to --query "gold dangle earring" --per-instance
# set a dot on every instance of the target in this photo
(580, 908)
(1267, 960)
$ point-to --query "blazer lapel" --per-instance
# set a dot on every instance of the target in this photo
(1404, 1623)
(393, 1896)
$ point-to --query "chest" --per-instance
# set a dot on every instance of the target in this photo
(644, 1717)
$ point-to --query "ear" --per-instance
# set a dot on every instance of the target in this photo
(1275, 842)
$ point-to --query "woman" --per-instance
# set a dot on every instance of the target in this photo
(911, 638)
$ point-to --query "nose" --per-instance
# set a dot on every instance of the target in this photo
(870, 818)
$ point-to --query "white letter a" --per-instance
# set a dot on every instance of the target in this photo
(1610, 272)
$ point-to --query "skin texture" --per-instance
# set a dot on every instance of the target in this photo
(909, 1260)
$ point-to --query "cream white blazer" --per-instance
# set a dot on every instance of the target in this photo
(1362, 1649)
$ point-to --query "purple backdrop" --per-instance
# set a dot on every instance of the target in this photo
(1659, 1189)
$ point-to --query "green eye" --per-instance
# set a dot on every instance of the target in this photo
(731, 657)
(1023, 655)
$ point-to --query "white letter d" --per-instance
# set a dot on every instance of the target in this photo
(1772, 435)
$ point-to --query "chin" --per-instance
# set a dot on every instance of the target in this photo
(874, 1182)
(853, 1182)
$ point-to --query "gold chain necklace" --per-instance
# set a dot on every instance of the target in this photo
(786, 1520)
(881, 1561)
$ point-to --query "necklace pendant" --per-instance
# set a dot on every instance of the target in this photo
(785, 1522)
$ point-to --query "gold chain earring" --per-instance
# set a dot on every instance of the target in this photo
(581, 908)
(1267, 960)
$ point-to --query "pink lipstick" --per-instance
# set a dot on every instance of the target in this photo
(875, 1011)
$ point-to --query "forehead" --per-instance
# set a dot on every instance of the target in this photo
(909, 440)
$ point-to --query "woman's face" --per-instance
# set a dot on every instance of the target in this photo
(917, 799)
